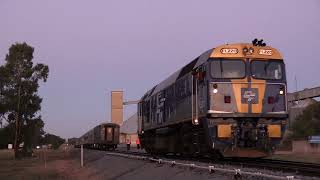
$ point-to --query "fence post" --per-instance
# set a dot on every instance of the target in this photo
(81, 155)
(45, 158)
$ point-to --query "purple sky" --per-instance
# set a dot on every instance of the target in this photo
(93, 47)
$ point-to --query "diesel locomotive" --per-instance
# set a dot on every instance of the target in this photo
(104, 137)
(228, 102)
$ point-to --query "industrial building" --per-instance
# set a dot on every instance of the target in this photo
(128, 130)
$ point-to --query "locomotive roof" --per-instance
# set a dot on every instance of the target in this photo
(178, 74)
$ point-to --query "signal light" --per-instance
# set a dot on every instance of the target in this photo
(227, 99)
(270, 100)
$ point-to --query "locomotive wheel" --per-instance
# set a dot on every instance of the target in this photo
(215, 155)
(147, 148)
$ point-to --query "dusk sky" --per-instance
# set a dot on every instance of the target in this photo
(93, 47)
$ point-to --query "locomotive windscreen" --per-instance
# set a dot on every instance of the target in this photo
(227, 68)
(262, 69)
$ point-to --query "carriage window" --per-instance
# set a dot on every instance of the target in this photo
(228, 68)
(109, 134)
(266, 69)
(109, 130)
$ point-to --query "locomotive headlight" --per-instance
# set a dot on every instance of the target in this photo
(215, 91)
(245, 50)
(281, 92)
(251, 50)
(196, 121)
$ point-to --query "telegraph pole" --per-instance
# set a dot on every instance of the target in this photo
(296, 86)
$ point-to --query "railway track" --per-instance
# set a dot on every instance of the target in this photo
(307, 169)
(298, 168)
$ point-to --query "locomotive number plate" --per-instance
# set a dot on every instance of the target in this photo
(267, 52)
(229, 51)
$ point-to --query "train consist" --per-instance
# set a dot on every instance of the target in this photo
(230, 101)
(104, 136)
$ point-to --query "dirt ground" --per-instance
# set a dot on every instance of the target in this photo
(65, 164)
(48, 164)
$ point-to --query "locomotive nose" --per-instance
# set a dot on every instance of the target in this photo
(238, 96)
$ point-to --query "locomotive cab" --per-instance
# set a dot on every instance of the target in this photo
(247, 99)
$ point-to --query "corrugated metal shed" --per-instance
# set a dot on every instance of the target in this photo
(130, 126)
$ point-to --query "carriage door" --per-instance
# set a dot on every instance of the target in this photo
(116, 135)
(109, 134)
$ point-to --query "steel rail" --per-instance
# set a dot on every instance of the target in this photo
(309, 169)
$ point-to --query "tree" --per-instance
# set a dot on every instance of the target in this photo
(52, 139)
(6, 136)
(308, 123)
(20, 102)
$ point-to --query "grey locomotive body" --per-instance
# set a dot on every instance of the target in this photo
(218, 104)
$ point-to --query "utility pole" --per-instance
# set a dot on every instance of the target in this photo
(296, 86)
(81, 161)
